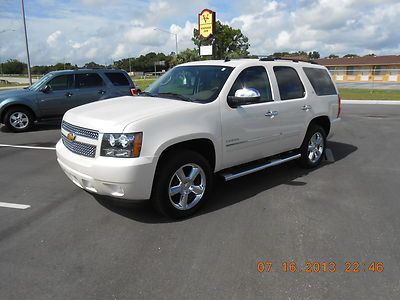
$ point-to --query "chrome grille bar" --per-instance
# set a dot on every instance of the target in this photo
(78, 147)
(85, 132)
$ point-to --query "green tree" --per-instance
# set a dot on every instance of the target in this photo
(227, 41)
(333, 56)
(314, 55)
(350, 55)
(13, 66)
(92, 64)
(280, 54)
(186, 56)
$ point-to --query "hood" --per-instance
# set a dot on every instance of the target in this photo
(113, 115)
(15, 93)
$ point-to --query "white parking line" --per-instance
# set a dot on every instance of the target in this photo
(13, 205)
(28, 147)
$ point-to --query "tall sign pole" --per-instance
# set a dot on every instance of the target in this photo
(26, 43)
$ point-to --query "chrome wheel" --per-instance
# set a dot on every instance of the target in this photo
(187, 186)
(19, 120)
(315, 147)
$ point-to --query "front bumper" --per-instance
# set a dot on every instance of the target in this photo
(125, 178)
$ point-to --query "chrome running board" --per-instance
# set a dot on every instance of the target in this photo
(274, 162)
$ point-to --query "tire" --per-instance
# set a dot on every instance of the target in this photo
(175, 194)
(18, 119)
(313, 148)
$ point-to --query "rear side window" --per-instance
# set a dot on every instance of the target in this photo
(289, 83)
(88, 80)
(117, 79)
(320, 81)
(256, 78)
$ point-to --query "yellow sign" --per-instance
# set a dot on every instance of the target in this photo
(206, 23)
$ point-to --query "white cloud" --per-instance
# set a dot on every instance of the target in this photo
(92, 53)
(94, 2)
(52, 39)
(146, 36)
(120, 52)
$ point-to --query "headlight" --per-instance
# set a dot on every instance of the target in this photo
(121, 144)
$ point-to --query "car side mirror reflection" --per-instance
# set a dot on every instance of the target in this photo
(244, 96)
(46, 89)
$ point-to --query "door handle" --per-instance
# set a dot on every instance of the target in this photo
(102, 92)
(306, 107)
(271, 114)
(68, 94)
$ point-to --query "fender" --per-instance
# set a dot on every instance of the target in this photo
(190, 137)
(17, 101)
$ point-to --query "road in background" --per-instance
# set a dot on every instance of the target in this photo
(19, 80)
(70, 244)
(369, 85)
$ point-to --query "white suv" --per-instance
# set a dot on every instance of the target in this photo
(231, 118)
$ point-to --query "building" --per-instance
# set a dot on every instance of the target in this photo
(364, 69)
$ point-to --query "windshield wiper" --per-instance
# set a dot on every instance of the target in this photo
(179, 96)
(146, 94)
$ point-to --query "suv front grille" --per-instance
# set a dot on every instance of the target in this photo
(89, 133)
(78, 147)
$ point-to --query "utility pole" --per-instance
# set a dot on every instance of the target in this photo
(26, 43)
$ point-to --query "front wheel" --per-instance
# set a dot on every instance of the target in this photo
(313, 148)
(182, 184)
(18, 119)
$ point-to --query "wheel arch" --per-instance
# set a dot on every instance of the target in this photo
(203, 146)
(322, 121)
(15, 105)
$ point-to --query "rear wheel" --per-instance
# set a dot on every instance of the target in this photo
(182, 184)
(313, 148)
(18, 119)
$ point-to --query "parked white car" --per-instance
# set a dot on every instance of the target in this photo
(229, 118)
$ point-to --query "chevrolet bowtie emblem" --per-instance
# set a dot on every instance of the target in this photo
(71, 136)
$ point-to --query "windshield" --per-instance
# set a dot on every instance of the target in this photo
(39, 83)
(191, 83)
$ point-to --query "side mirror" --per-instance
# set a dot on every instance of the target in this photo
(243, 97)
(46, 89)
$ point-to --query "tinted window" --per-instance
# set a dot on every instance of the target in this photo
(88, 80)
(255, 78)
(117, 78)
(320, 81)
(62, 82)
(289, 83)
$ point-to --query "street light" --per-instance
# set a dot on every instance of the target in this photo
(176, 38)
(26, 43)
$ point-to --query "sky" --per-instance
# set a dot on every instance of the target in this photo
(80, 31)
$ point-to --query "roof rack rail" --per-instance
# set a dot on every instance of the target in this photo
(287, 58)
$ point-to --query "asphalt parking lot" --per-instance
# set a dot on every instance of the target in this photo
(70, 245)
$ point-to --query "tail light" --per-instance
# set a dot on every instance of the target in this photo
(134, 92)
(339, 106)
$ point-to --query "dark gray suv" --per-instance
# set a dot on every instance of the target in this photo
(59, 91)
